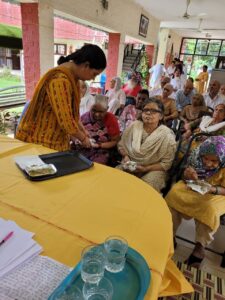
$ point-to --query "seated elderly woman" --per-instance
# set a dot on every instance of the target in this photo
(103, 130)
(214, 124)
(195, 110)
(149, 144)
(116, 95)
(207, 162)
(170, 111)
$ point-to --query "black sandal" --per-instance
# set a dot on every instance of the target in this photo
(193, 261)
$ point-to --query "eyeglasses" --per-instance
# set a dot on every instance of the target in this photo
(151, 111)
(167, 90)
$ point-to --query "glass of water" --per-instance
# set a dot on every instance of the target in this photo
(116, 249)
(73, 294)
(93, 264)
(101, 291)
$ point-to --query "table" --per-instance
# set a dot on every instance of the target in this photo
(70, 212)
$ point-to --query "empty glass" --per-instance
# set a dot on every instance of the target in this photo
(115, 248)
(101, 291)
(74, 293)
(93, 264)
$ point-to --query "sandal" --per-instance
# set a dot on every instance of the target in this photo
(196, 256)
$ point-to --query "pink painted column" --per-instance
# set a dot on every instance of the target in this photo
(31, 46)
(113, 56)
(150, 54)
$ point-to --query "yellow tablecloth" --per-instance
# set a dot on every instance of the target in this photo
(70, 212)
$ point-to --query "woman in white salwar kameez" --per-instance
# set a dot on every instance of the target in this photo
(87, 100)
(116, 96)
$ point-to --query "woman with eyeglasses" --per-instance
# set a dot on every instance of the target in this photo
(170, 111)
(150, 144)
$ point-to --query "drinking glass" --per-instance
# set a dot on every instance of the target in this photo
(115, 248)
(73, 294)
(101, 291)
(93, 264)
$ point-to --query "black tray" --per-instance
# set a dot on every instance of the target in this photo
(66, 162)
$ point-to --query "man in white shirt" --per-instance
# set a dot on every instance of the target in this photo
(156, 72)
(158, 92)
(212, 98)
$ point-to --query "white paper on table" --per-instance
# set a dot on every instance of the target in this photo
(34, 280)
(16, 245)
(4, 297)
(27, 161)
(25, 256)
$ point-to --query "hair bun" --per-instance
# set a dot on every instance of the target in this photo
(62, 60)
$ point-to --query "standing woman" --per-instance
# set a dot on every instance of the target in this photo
(52, 117)
(116, 95)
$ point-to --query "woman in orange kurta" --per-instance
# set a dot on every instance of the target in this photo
(52, 117)
(201, 80)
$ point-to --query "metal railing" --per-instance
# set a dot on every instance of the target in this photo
(12, 96)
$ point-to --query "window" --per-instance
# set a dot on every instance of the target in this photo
(188, 46)
(201, 47)
(214, 47)
(198, 52)
(60, 49)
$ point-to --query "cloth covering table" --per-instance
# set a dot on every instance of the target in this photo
(70, 212)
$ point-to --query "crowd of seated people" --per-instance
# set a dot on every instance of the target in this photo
(141, 134)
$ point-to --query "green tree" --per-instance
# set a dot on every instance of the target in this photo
(143, 68)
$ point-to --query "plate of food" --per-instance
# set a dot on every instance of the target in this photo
(200, 186)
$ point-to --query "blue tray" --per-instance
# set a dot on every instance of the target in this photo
(132, 283)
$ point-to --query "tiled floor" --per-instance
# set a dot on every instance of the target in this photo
(212, 261)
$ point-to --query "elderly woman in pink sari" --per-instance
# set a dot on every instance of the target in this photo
(103, 130)
(150, 145)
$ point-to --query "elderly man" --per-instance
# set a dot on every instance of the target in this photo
(183, 97)
(159, 91)
(132, 112)
(212, 98)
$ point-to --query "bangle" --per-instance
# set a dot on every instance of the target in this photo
(216, 191)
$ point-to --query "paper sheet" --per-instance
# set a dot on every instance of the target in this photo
(27, 161)
(34, 280)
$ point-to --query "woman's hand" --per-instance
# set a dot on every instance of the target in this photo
(187, 126)
(140, 168)
(86, 143)
(190, 174)
(125, 159)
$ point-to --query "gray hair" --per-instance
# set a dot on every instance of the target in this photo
(101, 99)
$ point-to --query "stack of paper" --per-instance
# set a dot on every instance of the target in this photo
(36, 279)
(17, 248)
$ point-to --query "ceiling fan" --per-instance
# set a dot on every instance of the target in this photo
(187, 16)
(199, 29)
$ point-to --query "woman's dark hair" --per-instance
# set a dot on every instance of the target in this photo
(158, 103)
(92, 54)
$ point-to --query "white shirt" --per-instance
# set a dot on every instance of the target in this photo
(213, 102)
(157, 71)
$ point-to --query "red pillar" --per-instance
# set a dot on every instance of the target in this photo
(150, 53)
(113, 56)
(31, 47)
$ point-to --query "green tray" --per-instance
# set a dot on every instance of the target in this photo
(132, 283)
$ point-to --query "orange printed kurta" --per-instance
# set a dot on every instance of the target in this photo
(53, 113)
